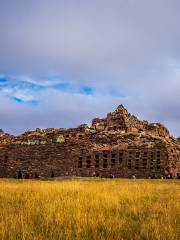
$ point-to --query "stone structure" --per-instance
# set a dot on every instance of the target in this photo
(119, 145)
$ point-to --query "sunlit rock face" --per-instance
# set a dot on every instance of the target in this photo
(119, 145)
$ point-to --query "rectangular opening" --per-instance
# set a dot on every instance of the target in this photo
(105, 160)
(80, 136)
(96, 163)
(88, 163)
(113, 161)
(137, 154)
(104, 163)
(120, 153)
(80, 164)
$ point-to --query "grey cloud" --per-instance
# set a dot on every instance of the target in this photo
(127, 45)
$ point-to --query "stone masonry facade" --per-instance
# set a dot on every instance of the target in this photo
(119, 145)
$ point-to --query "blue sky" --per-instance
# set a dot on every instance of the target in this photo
(25, 90)
(64, 62)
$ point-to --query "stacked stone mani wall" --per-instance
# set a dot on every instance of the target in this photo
(119, 145)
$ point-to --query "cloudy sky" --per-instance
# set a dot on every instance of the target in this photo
(63, 62)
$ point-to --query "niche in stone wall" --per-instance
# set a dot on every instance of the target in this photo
(88, 162)
(129, 162)
(80, 136)
(105, 162)
(151, 162)
(144, 159)
(96, 161)
(113, 162)
(6, 157)
(158, 159)
(121, 153)
(80, 160)
(137, 158)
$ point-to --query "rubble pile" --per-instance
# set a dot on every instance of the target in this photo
(119, 145)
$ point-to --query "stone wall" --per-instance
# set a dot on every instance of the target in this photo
(119, 145)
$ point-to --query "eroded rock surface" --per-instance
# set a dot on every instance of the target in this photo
(119, 145)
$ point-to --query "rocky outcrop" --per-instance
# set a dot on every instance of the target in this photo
(119, 145)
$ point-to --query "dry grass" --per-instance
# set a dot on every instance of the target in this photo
(90, 209)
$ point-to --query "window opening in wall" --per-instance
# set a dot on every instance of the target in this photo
(105, 163)
(105, 155)
(113, 155)
(120, 153)
(88, 163)
(129, 164)
(82, 150)
(80, 164)
(137, 154)
(89, 157)
(80, 136)
(152, 154)
(97, 156)
(113, 161)
(137, 166)
(96, 163)
(120, 160)
(6, 157)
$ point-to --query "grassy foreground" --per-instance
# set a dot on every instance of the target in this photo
(90, 209)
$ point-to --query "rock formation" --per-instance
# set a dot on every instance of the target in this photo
(119, 145)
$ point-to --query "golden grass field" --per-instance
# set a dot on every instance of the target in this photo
(90, 209)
